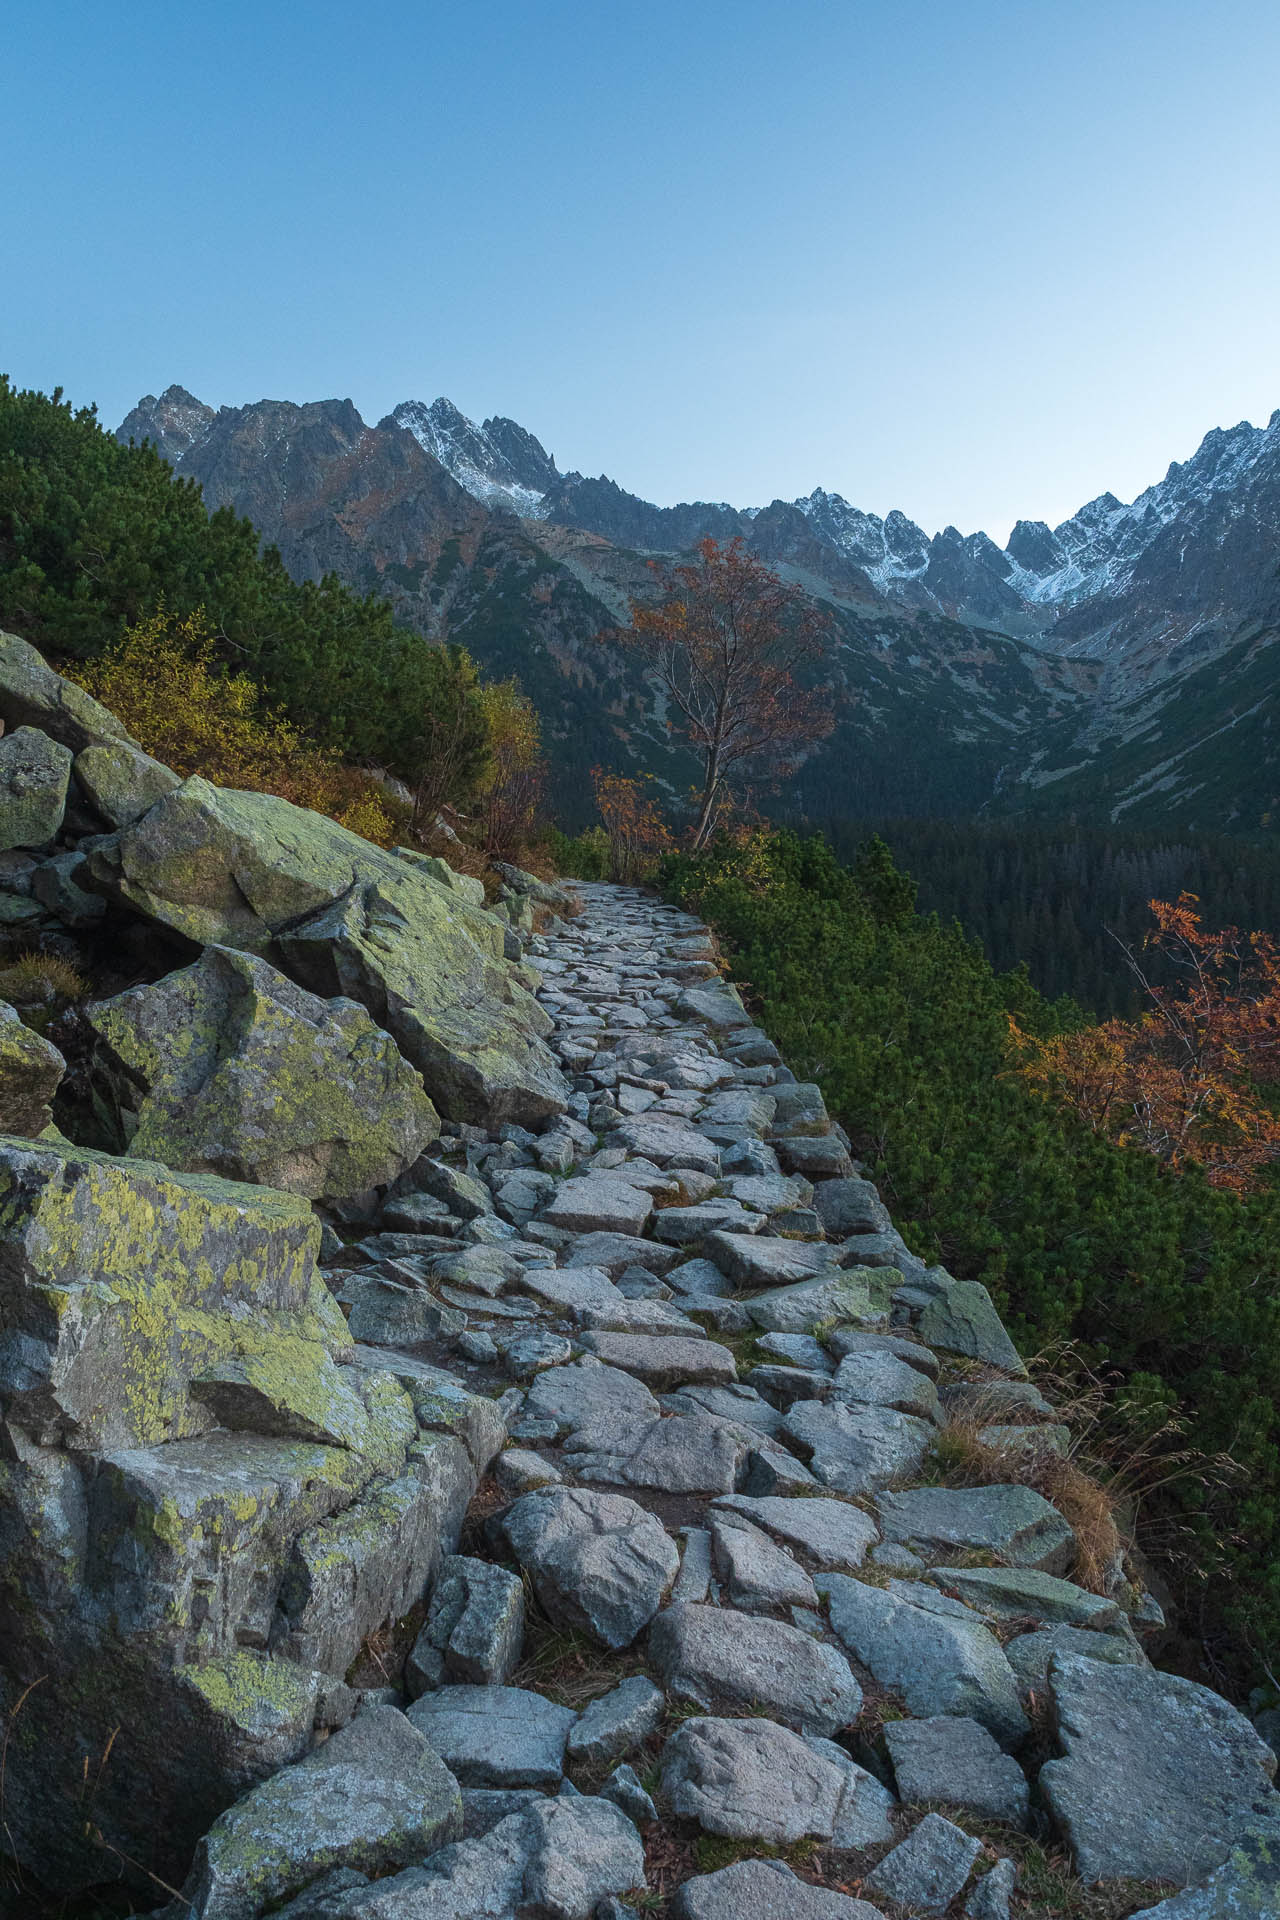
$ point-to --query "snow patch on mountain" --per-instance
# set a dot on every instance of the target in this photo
(500, 463)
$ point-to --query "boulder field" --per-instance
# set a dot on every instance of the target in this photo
(469, 1425)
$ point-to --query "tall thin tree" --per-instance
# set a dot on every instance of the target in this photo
(726, 643)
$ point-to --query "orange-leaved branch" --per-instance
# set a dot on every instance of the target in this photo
(1193, 1078)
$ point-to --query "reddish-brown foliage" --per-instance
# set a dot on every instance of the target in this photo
(637, 832)
(726, 643)
(1189, 1080)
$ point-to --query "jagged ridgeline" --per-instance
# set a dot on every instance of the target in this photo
(475, 1443)
(1118, 668)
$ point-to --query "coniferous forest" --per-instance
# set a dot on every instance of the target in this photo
(1066, 902)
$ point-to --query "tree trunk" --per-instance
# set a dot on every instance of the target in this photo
(706, 812)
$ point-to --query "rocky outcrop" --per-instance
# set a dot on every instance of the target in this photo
(205, 1508)
(229, 1513)
(33, 695)
(227, 1067)
(250, 871)
(35, 773)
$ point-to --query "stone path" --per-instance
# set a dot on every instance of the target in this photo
(722, 1375)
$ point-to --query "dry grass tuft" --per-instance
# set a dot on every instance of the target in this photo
(37, 979)
(1123, 1449)
(565, 1665)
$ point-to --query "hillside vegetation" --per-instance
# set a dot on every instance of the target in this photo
(95, 537)
(1170, 1286)
(1067, 900)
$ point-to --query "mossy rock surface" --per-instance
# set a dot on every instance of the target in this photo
(121, 782)
(121, 1281)
(227, 1067)
(31, 1069)
(33, 695)
(344, 917)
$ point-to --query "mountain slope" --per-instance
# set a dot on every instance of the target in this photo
(1061, 672)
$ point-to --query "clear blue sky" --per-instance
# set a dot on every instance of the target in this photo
(969, 259)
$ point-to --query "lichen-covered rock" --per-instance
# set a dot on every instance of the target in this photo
(373, 1798)
(252, 871)
(372, 1562)
(34, 775)
(469, 885)
(227, 1067)
(121, 782)
(121, 1282)
(33, 695)
(1245, 1887)
(31, 1069)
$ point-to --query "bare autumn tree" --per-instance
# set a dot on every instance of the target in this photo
(726, 643)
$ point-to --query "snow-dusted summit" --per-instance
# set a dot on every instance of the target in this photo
(499, 462)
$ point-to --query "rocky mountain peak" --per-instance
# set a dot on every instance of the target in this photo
(173, 423)
(500, 463)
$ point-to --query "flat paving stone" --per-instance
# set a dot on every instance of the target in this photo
(612, 1252)
(689, 1453)
(599, 1203)
(952, 1761)
(591, 1406)
(926, 1871)
(739, 1403)
(832, 1532)
(1031, 1654)
(751, 1780)
(598, 1562)
(764, 1890)
(883, 1380)
(495, 1736)
(618, 1722)
(662, 1361)
(722, 1659)
(758, 1260)
(834, 1295)
(1007, 1593)
(939, 1663)
(668, 1144)
(1014, 1522)
(1158, 1776)
(857, 1449)
(757, 1575)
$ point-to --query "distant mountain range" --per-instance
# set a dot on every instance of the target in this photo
(1119, 666)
